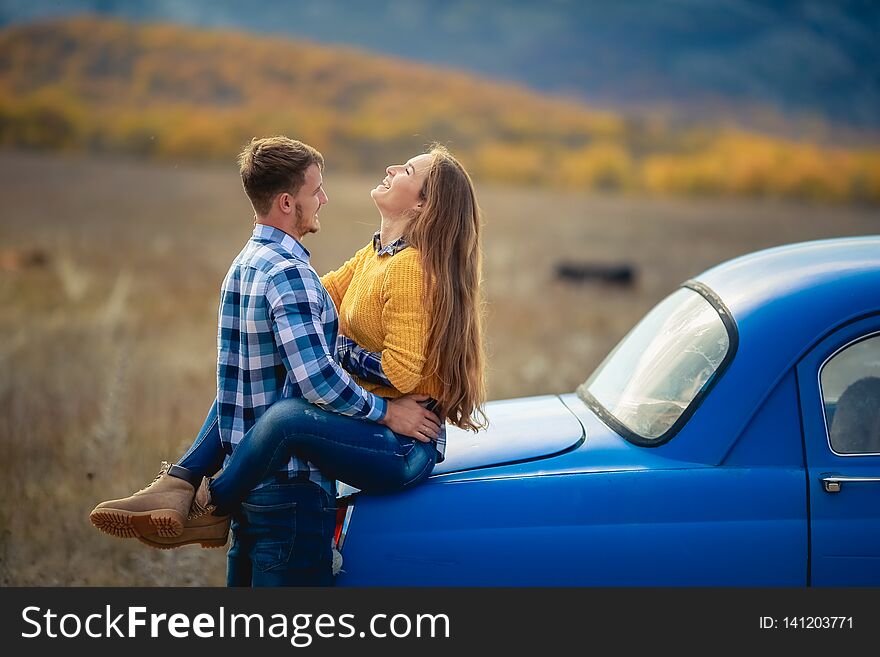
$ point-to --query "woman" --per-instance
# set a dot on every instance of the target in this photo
(409, 312)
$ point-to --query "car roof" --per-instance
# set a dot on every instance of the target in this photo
(829, 278)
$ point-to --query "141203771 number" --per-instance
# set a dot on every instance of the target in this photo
(818, 622)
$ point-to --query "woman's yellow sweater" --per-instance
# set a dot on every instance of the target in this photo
(379, 300)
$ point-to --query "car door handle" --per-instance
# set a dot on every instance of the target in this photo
(833, 483)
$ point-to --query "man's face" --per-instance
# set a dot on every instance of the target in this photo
(308, 201)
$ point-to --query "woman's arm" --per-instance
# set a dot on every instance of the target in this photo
(337, 281)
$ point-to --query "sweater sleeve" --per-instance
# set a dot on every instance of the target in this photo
(405, 320)
(337, 281)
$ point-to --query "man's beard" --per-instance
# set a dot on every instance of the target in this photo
(301, 224)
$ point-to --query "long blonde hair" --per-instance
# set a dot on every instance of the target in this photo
(447, 235)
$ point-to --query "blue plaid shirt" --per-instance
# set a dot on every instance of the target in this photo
(367, 365)
(276, 338)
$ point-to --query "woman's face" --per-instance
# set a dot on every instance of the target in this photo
(399, 191)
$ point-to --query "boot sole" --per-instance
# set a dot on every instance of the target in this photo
(208, 536)
(167, 523)
(204, 542)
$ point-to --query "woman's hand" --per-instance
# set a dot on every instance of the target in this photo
(408, 417)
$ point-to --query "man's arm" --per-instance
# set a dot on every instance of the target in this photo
(366, 365)
(296, 305)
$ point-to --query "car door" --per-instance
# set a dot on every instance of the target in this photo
(839, 387)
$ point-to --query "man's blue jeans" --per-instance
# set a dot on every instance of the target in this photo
(281, 536)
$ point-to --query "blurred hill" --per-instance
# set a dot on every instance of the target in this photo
(176, 92)
(775, 65)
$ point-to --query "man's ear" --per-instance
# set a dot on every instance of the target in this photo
(285, 203)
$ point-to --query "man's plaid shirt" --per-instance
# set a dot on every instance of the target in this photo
(276, 338)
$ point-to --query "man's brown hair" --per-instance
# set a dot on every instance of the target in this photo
(274, 165)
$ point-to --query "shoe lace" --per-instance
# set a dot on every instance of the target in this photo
(163, 470)
(198, 509)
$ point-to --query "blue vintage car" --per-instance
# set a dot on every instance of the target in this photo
(731, 438)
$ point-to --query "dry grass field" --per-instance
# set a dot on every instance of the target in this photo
(109, 271)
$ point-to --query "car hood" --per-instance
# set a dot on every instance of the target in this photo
(519, 430)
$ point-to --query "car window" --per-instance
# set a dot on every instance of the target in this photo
(649, 380)
(850, 385)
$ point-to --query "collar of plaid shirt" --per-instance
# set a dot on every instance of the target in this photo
(290, 243)
(396, 246)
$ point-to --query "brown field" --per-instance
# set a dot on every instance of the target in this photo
(109, 271)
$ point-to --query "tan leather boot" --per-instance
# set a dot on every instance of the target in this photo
(161, 508)
(201, 525)
(209, 531)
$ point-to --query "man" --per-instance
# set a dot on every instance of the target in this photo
(277, 327)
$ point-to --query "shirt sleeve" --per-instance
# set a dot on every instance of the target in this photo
(366, 365)
(296, 304)
(337, 281)
(405, 321)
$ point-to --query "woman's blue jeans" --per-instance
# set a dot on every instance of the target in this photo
(360, 453)
(205, 456)
(282, 533)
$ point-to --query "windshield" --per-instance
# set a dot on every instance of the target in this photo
(647, 382)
